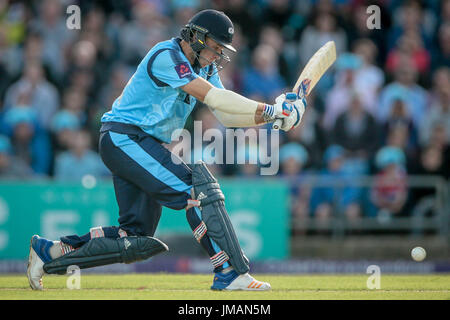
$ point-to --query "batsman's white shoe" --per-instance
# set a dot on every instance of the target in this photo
(247, 282)
(234, 281)
(38, 256)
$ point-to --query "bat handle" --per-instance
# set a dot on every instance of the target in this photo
(277, 124)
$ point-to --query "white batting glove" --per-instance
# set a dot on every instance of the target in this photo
(295, 117)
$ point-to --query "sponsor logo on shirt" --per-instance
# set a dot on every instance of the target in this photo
(183, 70)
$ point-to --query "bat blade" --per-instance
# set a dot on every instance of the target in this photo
(316, 66)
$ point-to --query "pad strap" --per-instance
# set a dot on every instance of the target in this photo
(219, 259)
(97, 232)
(200, 231)
(65, 248)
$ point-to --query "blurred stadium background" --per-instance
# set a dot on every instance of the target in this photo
(363, 180)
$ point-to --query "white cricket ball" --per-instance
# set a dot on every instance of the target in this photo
(418, 253)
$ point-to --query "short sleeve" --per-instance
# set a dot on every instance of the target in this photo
(170, 68)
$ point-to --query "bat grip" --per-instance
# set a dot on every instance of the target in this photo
(277, 124)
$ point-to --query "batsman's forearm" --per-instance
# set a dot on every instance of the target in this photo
(240, 120)
(230, 102)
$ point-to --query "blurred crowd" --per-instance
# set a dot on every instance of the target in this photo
(382, 110)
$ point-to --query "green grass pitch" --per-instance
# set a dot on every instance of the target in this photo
(164, 286)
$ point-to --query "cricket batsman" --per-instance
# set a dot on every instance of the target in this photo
(157, 100)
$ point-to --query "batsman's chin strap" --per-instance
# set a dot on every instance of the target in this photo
(211, 70)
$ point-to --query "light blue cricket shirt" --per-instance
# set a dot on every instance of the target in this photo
(153, 99)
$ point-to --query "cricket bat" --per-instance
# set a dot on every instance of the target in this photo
(313, 71)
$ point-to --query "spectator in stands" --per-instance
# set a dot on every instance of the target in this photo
(440, 82)
(442, 12)
(148, 27)
(281, 13)
(409, 19)
(310, 134)
(293, 159)
(328, 200)
(405, 81)
(79, 160)
(441, 55)
(113, 88)
(33, 50)
(262, 81)
(369, 78)
(14, 24)
(439, 139)
(400, 116)
(357, 29)
(29, 142)
(323, 29)
(51, 25)
(12, 167)
(440, 107)
(430, 163)
(84, 82)
(441, 49)
(6, 57)
(398, 136)
(10, 65)
(83, 71)
(64, 123)
(356, 130)
(43, 96)
(271, 35)
(390, 191)
(410, 45)
(338, 98)
(182, 11)
(75, 101)
(242, 15)
(4, 82)
(84, 55)
(97, 31)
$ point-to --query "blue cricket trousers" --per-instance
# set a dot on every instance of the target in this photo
(145, 178)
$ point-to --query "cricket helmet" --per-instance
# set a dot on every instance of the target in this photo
(212, 23)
